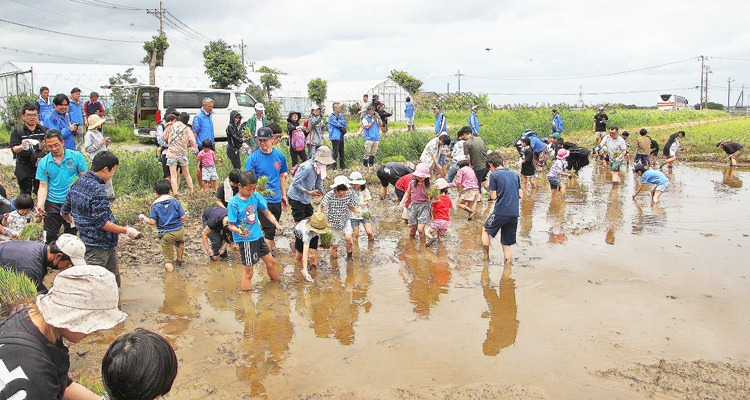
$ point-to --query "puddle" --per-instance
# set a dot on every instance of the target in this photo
(599, 282)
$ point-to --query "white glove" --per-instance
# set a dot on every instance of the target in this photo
(27, 144)
(141, 217)
(132, 232)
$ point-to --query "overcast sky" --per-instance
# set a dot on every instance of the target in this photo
(540, 52)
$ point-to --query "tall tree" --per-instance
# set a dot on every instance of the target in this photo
(410, 83)
(124, 98)
(223, 65)
(269, 82)
(155, 50)
(317, 90)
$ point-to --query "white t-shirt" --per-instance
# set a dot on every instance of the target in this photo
(303, 233)
(617, 144)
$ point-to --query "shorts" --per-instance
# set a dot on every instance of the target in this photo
(441, 160)
(554, 182)
(440, 225)
(299, 245)
(409, 121)
(251, 252)
(300, 210)
(470, 195)
(106, 258)
(269, 230)
(179, 161)
(386, 178)
(615, 165)
(339, 234)
(641, 159)
(209, 174)
(506, 225)
(662, 188)
(673, 149)
(420, 213)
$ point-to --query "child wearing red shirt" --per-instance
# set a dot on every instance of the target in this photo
(441, 218)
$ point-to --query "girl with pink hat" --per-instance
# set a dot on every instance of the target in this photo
(419, 209)
(556, 171)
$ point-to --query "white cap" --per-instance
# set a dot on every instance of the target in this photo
(73, 247)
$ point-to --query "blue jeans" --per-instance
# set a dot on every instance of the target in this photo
(311, 150)
(452, 171)
(641, 159)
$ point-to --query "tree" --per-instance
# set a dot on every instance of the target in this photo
(410, 83)
(316, 90)
(11, 114)
(714, 106)
(256, 91)
(123, 98)
(155, 50)
(269, 70)
(223, 65)
(269, 82)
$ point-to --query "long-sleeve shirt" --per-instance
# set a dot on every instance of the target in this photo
(92, 142)
(88, 203)
(305, 179)
(315, 126)
(203, 126)
(441, 124)
(61, 122)
(336, 121)
(474, 123)
(75, 110)
(466, 178)
(557, 125)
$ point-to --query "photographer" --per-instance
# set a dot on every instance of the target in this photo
(26, 143)
(59, 119)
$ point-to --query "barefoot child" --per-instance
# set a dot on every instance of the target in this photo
(242, 216)
(340, 202)
(556, 171)
(528, 169)
(207, 160)
(651, 176)
(362, 194)
(306, 231)
(167, 215)
(441, 213)
(419, 209)
(467, 179)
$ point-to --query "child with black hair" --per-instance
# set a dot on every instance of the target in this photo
(420, 211)
(167, 215)
(528, 170)
(242, 217)
(441, 213)
(467, 179)
(363, 196)
(16, 220)
(207, 160)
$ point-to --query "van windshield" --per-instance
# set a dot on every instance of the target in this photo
(244, 100)
(194, 99)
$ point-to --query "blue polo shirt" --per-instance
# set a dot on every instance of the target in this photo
(244, 213)
(271, 165)
(203, 127)
(59, 177)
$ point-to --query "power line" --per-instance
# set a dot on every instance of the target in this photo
(183, 31)
(104, 4)
(50, 55)
(591, 93)
(730, 58)
(70, 34)
(205, 38)
(67, 17)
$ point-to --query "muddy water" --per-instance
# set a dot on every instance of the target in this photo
(598, 282)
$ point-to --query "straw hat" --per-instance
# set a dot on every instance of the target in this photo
(318, 223)
(356, 178)
(83, 299)
(422, 171)
(323, 155)
(95, 121)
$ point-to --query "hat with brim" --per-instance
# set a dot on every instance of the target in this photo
(83, 299)
(73, 247)
(259, 107)
(556, 135)
(562, 154)
(95, 121)
(441, 183)
(318, 223)
(340, 180)
(323, 155)
(264, 133)
(422, 171)
(315, 107)
(356, 178)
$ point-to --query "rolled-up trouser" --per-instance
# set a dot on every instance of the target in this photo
(170, 240)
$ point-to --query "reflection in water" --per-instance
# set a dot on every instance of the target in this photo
(221, 283)
(333, 305)
(731, 179)
(526, 214)
(427, 276)
(502, 313)
(176, 304)
(614, 214)
(555, 217)
(648, 222)
(268, 331)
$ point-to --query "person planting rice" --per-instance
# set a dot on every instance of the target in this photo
(419, 208)
(733, 149)
(339, 202)
(305, 232)
(654, 177)
(441, 213)
(671, 148)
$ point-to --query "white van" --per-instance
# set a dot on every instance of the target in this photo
(152, 102)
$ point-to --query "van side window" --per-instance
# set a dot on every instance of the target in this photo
(194, 99)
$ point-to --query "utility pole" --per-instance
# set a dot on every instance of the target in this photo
(160, 14)
(729, 90)
(459, 74)
(448, 88)
(152, 64)
(702, 69)
(242, 46)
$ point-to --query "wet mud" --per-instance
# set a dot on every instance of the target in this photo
(606, 297)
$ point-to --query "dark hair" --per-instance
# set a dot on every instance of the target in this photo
(341, 187)
(526, 141)
(105, 159)
(463, 131)
(554, 110)
(408, 98)
(625, 134)
(59, 98)
(43, 88)
(248, 178)
(184, 117)
(643, 132)
(54, 133)
(463, 163)
(444, 139)
(444, 191)
(494, 159)
(162, 187)
(170, 118)
(275, 128)
(139, 365)
(682, 133)
(53, 249)
(29, 107)
(614, 128)
(415, 179)
(207, 144)
(23, 202)
(94, 94)
(75, 90)
(234, 175)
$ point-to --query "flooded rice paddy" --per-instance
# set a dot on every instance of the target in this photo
(606, 298)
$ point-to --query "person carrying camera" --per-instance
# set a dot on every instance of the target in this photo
(25, 142)
(59, 119)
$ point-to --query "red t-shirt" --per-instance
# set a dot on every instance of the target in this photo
(402, 184)
(441, 209)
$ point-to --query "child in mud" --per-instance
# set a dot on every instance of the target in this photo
(207, 160)
(306, 231)
(363, 197)
(419, 209)
(556, 171)
(339, 202)
(167, 215)
(654, 177)
(242, 217)
(467, 179)
(528, 169)
(441, 213)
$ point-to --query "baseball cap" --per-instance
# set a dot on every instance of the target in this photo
(601, 108)
(264, 133)
(73, 247)
(315, 107)
(475, 107)
(435, 106)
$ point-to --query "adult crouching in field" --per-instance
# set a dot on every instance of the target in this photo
(25, 143)
(371, 134)
(234, 138)
(55, 173)
(389, 174)
(33, 259)
(83, 300)
(179, 139)
(733, 149)
(336, 132)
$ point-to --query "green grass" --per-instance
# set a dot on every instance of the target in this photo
(4, 134)
(15, 290)
(120, 133)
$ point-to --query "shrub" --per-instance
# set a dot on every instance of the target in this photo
(11, 114)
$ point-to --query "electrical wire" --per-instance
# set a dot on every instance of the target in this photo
(104, 4)
(51, 55)
(187, 34)
(591, 93)
(86, 20)
(205, 38)
(70, 34)
(730, 58)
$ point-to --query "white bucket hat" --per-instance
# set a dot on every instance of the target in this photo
(340, 180)
(83, 299)
(259, 107)
(356, 178)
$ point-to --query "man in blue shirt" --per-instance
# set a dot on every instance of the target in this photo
(557, 125)
(87, 204)
(75, 111)
(371, 133)
(409, 114)
(55, 173)
(474, 123)
(337, 122)
(270, 162)
(59, 119)
(44, 103)
(203, 127)
(441, 124)
(505, 189)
